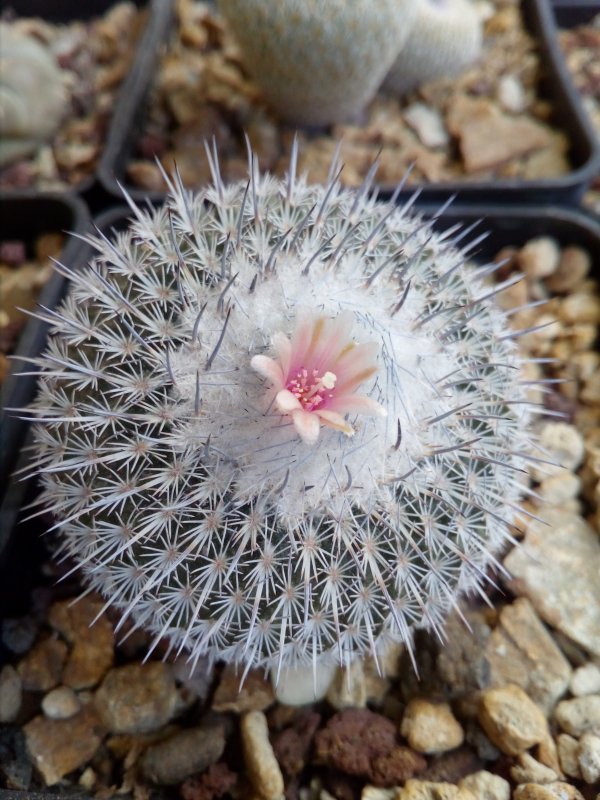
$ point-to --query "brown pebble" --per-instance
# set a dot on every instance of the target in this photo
(91, 637)
(185, 753)
(573, 268)
(254, 694)
(57, 747)
(263, 770)
(41, 669)
(137, 698)
(511, 719)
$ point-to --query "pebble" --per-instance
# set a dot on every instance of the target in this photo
(585, 680)
(528, 770)
(10, 693)
(580, 307)
(511, 719)
(589, 758)
(18, 635)
(349, 687)
(552, 560)
(137, 698)
(486, 786)
(551, 791)
(42, 667)
(563, 444)
(521, 651)
(428, 124)
(574, 266)
(189, 751)
(263, 770)
(428, 790)
(540, 257)
(511, 94)
(568, 747)
(57, 747)
(462, 662)
(431, 727)
(579, 715)
(254, 694)
(61, 703)
(91, 639)
(300, 685)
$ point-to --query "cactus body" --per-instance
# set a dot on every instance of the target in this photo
(319, 61)
(446, 38)
(33, 96)
(281, 424)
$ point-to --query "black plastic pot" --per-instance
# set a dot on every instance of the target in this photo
(65, 11)
(25, 217)
(569, 116)
(569, 13)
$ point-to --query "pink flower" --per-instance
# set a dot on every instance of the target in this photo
(316, 374)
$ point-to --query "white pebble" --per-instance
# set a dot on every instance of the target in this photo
(296, 687)
(586, 680)
(61, 703)
(562, 444)
(511, 94)
(428, 124)
(589, 757)
(540, 257)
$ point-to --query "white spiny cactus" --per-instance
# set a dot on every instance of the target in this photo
(281, 424)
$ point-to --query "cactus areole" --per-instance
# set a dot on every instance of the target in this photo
(281, 424)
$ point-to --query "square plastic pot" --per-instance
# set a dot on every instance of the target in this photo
(569, 116)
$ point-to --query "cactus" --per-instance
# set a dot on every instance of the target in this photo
(33, 96)
(281, 424)
(446, 38)
(319, 61)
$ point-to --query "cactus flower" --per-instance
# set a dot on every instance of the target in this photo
(316, 374)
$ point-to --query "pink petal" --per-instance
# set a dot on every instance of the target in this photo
(286, 401)
(307, 425)
(268, 368)
(333, 420)
(356, 403)
(283, 346)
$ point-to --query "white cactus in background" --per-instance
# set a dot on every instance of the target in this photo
(445, 39)
(319, 61)
(281, 424)
(33, 94)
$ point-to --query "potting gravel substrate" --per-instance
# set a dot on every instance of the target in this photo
(507, 706)
(510, 126)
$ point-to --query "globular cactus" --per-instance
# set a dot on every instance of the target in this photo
(446, 37)
(281, 424)
(319, 61)
(33, 95)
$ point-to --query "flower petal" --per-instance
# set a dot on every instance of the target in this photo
(283, 346)
(268, 368)
(286, 401)
(334, 420)
(307, 425)
(357, 404)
